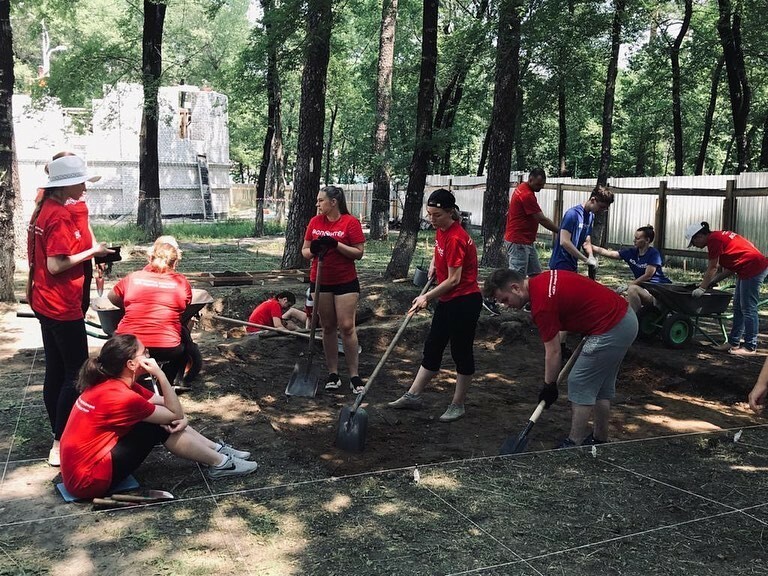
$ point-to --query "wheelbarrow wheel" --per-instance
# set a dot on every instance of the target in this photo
(194, 363)
(677, 330)
(648, 321)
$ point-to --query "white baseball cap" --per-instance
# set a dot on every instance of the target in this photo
(68, 170)
(691, 231)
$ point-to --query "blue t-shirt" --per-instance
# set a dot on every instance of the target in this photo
(638, 263)
(579, 224)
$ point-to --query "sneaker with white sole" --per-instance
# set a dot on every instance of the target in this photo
(333, 382)
(491, 306)
(742, 351)
(407, 400)
(230, 450)
(356, 384)
(725, 347)
(454, 412)
(232, 467)
(54, 457)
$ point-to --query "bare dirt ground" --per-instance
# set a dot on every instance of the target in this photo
(672, 494)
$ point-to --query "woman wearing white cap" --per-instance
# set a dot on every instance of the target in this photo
(738, 256)
(55, 287)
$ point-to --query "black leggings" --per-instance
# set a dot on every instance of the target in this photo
(455, 322)
(175, 359)
(133, 448)
(66, 348)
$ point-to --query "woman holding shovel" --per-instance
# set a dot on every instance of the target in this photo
(337, 237)
(458, 306)
(116, 423)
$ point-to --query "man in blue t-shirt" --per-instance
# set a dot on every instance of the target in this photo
(575, 231)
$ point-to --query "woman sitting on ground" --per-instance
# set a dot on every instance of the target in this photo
(645, 263)
(116, 422)
(154, 299)
(278, 312)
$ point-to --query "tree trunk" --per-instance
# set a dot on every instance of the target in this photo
(149, 217)
(382, 169)
(729, 30)
(503, 121)
(484, 151)
(330, 144)
(516, 138)
(417, 171)
(598, 231)
(762, 163)
(311, 123)
(708, 119)
(677, 116)
(642, 152)
(562, 144)
(9, 184)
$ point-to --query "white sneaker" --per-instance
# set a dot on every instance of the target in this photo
(232, 467)
(454, 412)
(54, 457)
(230, 450)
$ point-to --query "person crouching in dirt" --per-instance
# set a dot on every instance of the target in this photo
(336, 236)
(279, 312)
(458, 306)
(757, 396)
(116, 422)
(563, 300)
(645, 263)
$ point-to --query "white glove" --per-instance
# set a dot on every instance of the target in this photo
(621, 289)
(592, 261)
(698, 292)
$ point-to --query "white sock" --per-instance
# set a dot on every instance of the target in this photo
(223, 462)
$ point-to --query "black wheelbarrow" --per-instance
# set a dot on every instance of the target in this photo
(677, 315)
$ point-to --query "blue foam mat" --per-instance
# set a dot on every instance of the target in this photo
(129, 483)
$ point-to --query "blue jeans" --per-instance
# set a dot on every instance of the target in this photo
(745, 318)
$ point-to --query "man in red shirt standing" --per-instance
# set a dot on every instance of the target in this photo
(523, 220)
(563, 300)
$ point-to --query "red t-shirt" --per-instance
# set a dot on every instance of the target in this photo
(337, 269)
(736, 253)
(455, 248)
(55, 234)
(153, 302)
(264, 313)
(521, 226)
(564, 300)
(79, 211)
(101, 416)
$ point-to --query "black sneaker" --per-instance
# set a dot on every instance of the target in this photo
(491, 306)
(333, 382)
(356, 384)
(592, 441)
(567, 443)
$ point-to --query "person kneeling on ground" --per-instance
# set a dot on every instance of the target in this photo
(562, 300)
(116, 422)
(278, 312)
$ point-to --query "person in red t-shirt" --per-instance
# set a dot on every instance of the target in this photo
(278, 312)
(564, 300)
(336, 236)
(739, 256)
(458, 306)
(154, 299)
(523, 219)
(116, 423)
(55, 287)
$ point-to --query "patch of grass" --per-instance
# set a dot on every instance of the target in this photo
(184, 231)
(262, 524)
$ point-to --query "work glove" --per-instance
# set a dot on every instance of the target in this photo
(329, 242)
(548, 394)
(592, 261)
(621, 289)
(316, 247)
(698, 292)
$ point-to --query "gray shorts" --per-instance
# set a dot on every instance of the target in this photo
(594, 374)
(523, 258)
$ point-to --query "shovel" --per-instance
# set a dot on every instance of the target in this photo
(305, 379)
(282, 331)
(515, 445)
(353, 421)
(129, 500)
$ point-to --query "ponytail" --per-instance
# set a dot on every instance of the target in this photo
(109, 363)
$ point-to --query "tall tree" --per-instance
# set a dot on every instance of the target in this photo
(417, 172)
(9, 186)
(311, 122)
(709, 116)
(149, 215)
(677, 115)
(382, 169)
(729, 30)
(503, 121)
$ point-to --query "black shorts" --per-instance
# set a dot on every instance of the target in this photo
(352, 287)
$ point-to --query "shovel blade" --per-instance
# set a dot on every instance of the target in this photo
(514, 445)
(303, 382)
(351, 430)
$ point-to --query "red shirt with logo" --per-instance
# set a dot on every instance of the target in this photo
(521, 225)
(564, 300)
(79, 211)
(455, 248)
(337, 269)
(264, 313)
(736, 253)
(54, 233)
(101, 416)
(153, 302)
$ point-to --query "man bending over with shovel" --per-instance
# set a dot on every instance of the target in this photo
(562, 300)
